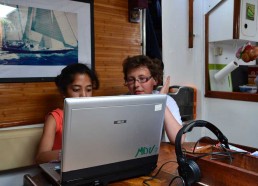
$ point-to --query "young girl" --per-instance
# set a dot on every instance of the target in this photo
(75, 80)
(142, 75)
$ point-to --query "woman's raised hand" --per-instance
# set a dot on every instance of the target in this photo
(165, 87)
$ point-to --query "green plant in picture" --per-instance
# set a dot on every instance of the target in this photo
(250, 9)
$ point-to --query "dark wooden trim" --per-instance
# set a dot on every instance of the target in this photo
(232, 95)
(21, 123)
(206, 45)
(191, 34)
(236, 19)
(216, 6)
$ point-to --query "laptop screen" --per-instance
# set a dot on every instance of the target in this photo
(111, 137)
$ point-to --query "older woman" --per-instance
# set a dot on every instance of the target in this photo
(142, 75)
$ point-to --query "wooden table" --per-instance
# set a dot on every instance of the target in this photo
(213, 172)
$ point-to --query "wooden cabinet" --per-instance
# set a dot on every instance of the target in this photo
(234, 19)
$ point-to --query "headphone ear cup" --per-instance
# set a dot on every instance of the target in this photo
(190, 172)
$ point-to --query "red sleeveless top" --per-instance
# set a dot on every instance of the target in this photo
(58, 115)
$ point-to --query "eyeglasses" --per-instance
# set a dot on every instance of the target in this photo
(143, 79)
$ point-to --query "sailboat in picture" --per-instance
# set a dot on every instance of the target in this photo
(39, 31)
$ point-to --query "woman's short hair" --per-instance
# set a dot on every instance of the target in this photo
(155, 66)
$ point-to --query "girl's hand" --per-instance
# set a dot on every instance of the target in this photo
(164, 89)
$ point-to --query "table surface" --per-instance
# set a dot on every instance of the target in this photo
(168, 171)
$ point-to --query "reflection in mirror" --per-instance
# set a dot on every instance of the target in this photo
(225, 69)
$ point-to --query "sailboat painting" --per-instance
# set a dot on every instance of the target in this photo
(41, 37)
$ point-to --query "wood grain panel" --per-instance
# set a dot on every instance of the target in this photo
(115, 39)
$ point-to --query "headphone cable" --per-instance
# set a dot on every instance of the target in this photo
(204, 137)
(225, 154)
(155, 175)
(183, 181)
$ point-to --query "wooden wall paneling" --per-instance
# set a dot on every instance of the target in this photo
(115, 39)
(27, 103)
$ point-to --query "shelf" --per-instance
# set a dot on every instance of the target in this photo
(232, 96)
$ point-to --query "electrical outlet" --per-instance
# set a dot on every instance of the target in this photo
(217, 51)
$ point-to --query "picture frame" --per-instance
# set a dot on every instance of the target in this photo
(39, 38)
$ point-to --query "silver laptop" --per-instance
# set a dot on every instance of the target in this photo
(109, 138)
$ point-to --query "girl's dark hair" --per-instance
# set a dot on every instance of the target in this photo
(68, 73)
(155, 66)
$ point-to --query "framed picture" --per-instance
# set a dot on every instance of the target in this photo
(39, 38)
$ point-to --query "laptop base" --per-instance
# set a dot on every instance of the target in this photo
(111, 172)
(104, 174)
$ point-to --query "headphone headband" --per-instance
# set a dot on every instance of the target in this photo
(198, 123)
(188, 169)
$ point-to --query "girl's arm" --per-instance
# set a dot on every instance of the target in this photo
(45, 152)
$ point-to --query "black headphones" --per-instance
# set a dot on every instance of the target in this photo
(188, 168)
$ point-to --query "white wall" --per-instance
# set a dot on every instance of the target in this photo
(236, 119)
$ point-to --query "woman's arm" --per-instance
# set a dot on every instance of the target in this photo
(45, 152)
(171, 124)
